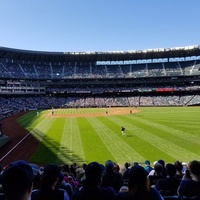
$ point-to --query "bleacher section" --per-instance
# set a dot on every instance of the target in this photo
(16, 104)
(86, 70)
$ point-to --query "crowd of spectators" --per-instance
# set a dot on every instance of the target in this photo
(22, 181)
(14, 104)
(114, 89)
(89, 70)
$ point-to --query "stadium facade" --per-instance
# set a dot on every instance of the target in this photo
(152, 77)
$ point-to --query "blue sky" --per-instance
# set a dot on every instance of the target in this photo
(98, 25)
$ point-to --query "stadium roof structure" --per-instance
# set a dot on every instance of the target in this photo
(37, 56)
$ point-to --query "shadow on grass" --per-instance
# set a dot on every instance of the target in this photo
(28, 118)
(50, 151)
(128, 135)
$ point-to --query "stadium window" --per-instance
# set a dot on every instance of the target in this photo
(187, 59)
(174, 59)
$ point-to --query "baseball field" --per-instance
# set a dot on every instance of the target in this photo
(89, 134)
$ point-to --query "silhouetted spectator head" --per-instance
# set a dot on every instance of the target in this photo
(194, 167)
(50, 177)
(109, 166)
(137, 178)
(84, 165)
(17, 180)
(93, 173)
(158, 168)
(127, 165)
(66, 168)
(171, 170)
(52, 171)
(147, 166)
(147, 162)
(179, 166)
(162, 162)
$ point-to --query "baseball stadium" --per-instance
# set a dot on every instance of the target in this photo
(100, 100)
(121, 108)
(68, 107)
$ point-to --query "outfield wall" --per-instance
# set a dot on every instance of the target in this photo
(3, 140)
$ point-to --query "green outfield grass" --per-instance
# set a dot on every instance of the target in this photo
(153, 133)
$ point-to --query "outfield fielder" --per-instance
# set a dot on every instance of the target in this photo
(123, 131)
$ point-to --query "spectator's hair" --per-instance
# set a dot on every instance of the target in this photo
(162, 162)
(65, 168)
(194, 167)
(84, 165)
(109, 166)
(178, 165)
(93, 173)
(171, 170)
(138, 183)
(127, 165)
(135, 164)
(51, 174)
(158, 168)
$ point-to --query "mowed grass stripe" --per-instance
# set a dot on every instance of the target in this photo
(169, 111)
(30, 119)
(37, 126)
(42, 128)
(71, 146)
(173, 141)
(183, 134)
(164, 145)
(119, 149)
(140, 144)
(93, 147)
(177, 136)
(51, 132)
(182, 118)
(76, 142)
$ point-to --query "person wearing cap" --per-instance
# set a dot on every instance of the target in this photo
(48, 190)
(147, 166)
(17, 181)
(190, 185)
(91, 188)
(123, 131)
(138, 187)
